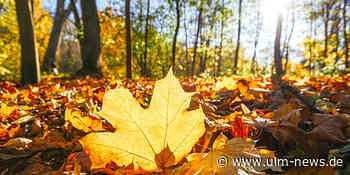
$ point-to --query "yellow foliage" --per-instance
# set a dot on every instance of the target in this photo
(10, 50)
(151, 139)
(43, 25)
(113, 41)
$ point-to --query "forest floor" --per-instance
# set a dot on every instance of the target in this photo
(309, 117)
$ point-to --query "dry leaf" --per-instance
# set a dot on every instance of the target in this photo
(84, 123)
(220, 142)
(146, 137)
(329, 128)
(6, 111)
(207, 163)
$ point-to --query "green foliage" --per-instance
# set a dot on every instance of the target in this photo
(333, 64)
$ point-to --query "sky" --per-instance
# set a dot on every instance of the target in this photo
(270, 10)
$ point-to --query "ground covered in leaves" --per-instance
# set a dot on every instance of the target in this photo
(41, 126)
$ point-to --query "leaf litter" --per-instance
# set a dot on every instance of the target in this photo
(91, 126)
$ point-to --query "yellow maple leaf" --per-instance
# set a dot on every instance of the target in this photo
(150, 139)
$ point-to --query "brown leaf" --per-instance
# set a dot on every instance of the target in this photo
(329, 128)
(281, 135)
(80, 158)
(287, 131)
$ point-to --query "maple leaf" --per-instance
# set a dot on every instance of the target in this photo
(152, 138)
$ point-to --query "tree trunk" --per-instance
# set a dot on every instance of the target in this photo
(257, 36)
(77, 23)
(284, 45)
(311, 37)
(346, 39)
(208, 39)
(278, 59)
(238, 36)
(178, 17)
(91, 42)
(128, 40)
(335, 30)
(218, 69)
(50, 56)
(201, 54)
(32, 5)
(199, 26)
(188, 62)
(144, 71)
(337, 43)
(325, 20)
(288, 41)
(30, 69)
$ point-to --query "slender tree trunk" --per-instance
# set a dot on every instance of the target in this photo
(346, 39)
(284, 45)
(32, 5)
(128, 40)
(30, 70)
(77, 23)
(144, 71)
(55, 37)
(311, 37)
(288, 41)
(218, 69)
(201, 54)
(91, 41)
(326, 19)
(238, 44)
(337, 46)
(199, 26)
(139, 51)
(214, 66)
(178, 18)
(257, 36)
(335, 30)
(208, 39)
(188, 62)
(278, 59)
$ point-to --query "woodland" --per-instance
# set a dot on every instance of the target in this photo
(174, 87)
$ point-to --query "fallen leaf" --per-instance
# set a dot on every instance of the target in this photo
(328, 128)
(79, 158)
(6, 111)
(165, 128)
(220, 142)
(17, 144)
(85, 123)
(207, 163)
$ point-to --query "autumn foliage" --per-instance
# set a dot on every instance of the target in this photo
(144, 127)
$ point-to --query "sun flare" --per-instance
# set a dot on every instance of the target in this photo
(271, 8)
